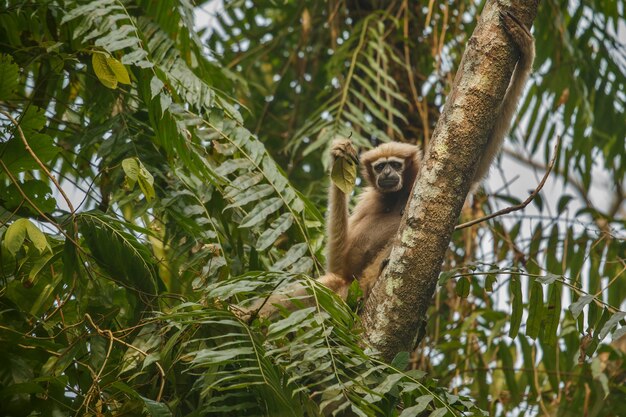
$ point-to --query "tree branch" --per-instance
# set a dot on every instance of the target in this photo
(522, 205)
(399, 299)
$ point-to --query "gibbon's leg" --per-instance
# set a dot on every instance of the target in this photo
(268, 308)
(374, 270)
(526, 45)
(337, 221)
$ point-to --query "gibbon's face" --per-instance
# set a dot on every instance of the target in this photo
(388, 174)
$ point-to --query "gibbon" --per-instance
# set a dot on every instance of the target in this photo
(359, 244)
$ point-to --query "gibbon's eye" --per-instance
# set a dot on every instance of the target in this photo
(396, 165)
(380, 166)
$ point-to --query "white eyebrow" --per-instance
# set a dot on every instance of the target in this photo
(395, 159)
(388, 159)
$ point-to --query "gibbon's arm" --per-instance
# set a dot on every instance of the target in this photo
(337, 221)
(526, 45)
(337, 230)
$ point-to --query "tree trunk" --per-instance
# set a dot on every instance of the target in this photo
(402, 294)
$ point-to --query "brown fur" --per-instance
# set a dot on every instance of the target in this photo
(376, 217)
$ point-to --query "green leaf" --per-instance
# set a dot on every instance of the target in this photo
(611, 323)
(619, 333)
(165, 101)
(355, 296)
(39, 266)
(577, 307)
(294, 253)
(421, 403)
(401, 360)
(537, 201)
(463, 286)
(156, 409)
(563, 202)
(56, 364)
(390, 382)
(260, 213)
(9, 72)
(118, 252)
(508, 367)
(343, 174)
(517, 306)
(445, 276)
(440, 412)
(33, 120)
(553, 314)
(277, 228)
(604, 318)
(17, 159)
(549, 278)
(535, 310)
(254, 193)
(37, 191)
(156, 85)
(598, 375)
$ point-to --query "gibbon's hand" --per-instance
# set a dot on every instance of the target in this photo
(342, 148)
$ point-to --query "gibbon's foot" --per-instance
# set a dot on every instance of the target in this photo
(342, 148)
(516, 29)
(243, 314)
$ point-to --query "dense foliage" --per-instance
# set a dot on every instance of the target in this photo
(155, 179)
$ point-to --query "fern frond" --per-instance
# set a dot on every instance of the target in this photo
(365, 108)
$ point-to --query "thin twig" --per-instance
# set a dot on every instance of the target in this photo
(96, 377)
(37, 209)
(36, 158)
(108, 334)
(526, 202)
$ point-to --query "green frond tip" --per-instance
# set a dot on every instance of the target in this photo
(9, 72)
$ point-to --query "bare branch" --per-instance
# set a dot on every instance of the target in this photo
(522, 205)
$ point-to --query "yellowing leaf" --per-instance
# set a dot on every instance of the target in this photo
(131, 169)
(137, 173)
(146, 182)
(15, 235)
(343, 174)
(118, 69)
(103, 71)
(37, 237)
